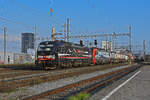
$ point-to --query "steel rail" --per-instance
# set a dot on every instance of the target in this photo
(107, 81)
(62, 89)
(17, 83)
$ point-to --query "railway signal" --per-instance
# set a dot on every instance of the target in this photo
(81, 42)
(95, 42)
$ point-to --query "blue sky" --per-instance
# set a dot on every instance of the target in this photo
(88, 16)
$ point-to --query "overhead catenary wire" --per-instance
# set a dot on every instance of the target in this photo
(13, 40)
(15, 22)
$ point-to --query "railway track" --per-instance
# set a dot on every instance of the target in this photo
(15, 74)
(85, 86)
(29, 80)
(4, 70)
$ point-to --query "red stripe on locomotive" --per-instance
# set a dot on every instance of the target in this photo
(75, 57)
(45, 58)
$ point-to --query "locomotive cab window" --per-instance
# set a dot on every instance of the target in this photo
(48, 47)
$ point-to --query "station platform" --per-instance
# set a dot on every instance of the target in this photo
(135, 86)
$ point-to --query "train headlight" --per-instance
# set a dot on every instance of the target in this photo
(47, 49)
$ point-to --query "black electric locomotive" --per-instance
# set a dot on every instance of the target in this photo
(52, 54)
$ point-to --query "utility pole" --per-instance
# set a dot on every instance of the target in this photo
(113, 41)
(130, 43)
(4, 45)
(130, 39)
(144, 49)
(65, 32)
(68, 20)
(35, 40)
(106, 43)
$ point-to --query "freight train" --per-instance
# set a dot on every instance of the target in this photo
(58, 54)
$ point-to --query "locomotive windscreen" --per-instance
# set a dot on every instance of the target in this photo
(45, 48)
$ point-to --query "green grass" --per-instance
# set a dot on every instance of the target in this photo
(81, 96)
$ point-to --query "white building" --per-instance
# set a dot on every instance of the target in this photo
(15, 58)
(107, 45)
(32, 53)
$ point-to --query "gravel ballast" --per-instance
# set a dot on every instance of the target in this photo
(36, 89)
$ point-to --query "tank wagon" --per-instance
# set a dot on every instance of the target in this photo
(53, 54)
